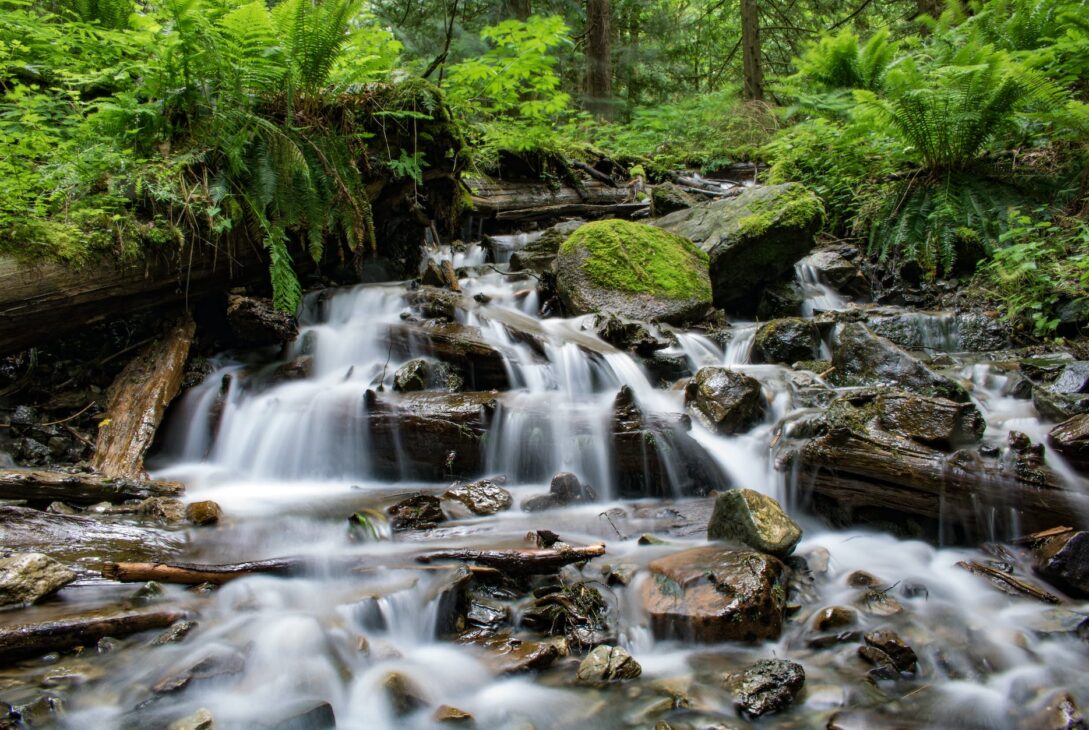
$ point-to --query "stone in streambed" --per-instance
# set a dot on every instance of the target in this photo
(787, 341)
(256, 322)
(903, 656)
(834, 617)
(200, 720)
(421, 374)
(766, 687)
(421, 512)
(1071, 439)
(728, 402)
(27, 578)
(1060, 713)
(305, 715)
(713, 594)
(608, 664)
(1063, 561)
(565, 489)
(483, 497)
(164, 510)
(754, 519)
(447, 713)
(538, 255)
(403, 695)
(205, 512)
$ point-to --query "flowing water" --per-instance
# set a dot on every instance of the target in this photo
(289, 460)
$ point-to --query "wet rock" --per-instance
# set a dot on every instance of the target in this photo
(305, 715)
(403, 695)
(1071, 439)
(486, 614)
(667, 197)
(861, 358)
(449, 714)
(838, 267)
(666, 368)
(516, 656)
(933, 421)
(205, 512)
(60, 508)
(164, 510)
(432, 302)
(432, 275)
(27, 578)
(256, 322)
(200, 720)
(41, 712)
(728, 402)
(608, 664)
(1058, 406)
(877, 602)
(766, 687)
(713, 594)
(577, 611)
(753, 519)
(420, 374)
(1072, 380)
(883, 665)
(481, 365)
(787, 341)
(1063, 560)
(300, 368)
(902, 655)
(483, 497)
(981, 332)
(634, 270)
(565, 489)
(176, 633)
(538, 255)
(834, 617)
(752, 239)
(421, 512)
(216, 662)
(781, 299)
(1060, 713)
(628, 335)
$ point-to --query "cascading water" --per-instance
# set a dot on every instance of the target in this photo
(289, 458)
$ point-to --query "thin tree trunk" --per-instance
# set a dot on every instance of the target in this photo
(599, 78)
(517, 9)
(750, 51)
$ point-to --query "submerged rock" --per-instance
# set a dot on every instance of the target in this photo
(862, 358)
(754, 519)
(608, 664)
(421, 512)
(628, 335)
(200, 720)
(787, 341)
(902, 656)
(482, 497)
(402, 694)
(768, 686)
(752, 239)
(834, 617)
(713, 594)
(515, 656)
(1063, 560)
(933, 421)
(633, 270)
(727, 401)
(27, 578)
(1060, 713)
(421, 374)
(164, 510)
(838, 267)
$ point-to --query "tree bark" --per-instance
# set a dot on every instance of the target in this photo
(517, 9)
(137, 401)
(30, 640)
(80, 489)
(599, 77)
(753, 88)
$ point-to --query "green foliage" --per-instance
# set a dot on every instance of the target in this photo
(635, 257)
(837, 62)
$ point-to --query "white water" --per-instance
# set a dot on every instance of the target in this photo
(289, 461)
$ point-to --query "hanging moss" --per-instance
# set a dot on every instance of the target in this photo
(641, 259)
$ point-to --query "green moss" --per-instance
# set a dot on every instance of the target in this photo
(634, 257)
(796, 207)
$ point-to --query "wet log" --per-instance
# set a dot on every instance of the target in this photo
(519, 561)
(80, 489)
(77, 538)
(137, 400)
(44, 300)
(195, 574)
(22, 641)
(526, 201)
(1007, 583)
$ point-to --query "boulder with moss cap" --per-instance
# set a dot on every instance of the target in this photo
(753, 519)
(752, 239)
(633, 270)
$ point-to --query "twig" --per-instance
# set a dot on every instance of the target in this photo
(70, 418)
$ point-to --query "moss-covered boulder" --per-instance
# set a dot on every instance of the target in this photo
(752, 239)
(633, 270)
(788, 340)
(669, 197)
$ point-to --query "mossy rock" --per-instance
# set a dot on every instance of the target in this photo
(633, 270)
(788, 340)
(752, 239)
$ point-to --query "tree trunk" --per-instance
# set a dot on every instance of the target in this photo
(80, 488)
(517, 9)
(750, 51)
(599, 77)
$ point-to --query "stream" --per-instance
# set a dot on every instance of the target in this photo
(290, 459)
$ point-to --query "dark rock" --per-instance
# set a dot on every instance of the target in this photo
(781, 299)
(538, 255)
(32, 453)
(1058, 406)
(753, 519)
(27, 578)
(728, 402)
(1071, 439)
(177, 632)
(902, 655)
(980, 332)
(515, 656)
(933, 421)
(608, 664)
(203, 513)
(752, 239)
(420, 374)
(483, 497)
(486, 614)
(306, 715)
(834, 617)
(713, 594)
(433, 302)
(1063, 560)
(666, 368)
(164, 510)
(838, 267)
(787, 341)
(577, 611)
(432, 275)
(255, 322)
(667, 197)
(627, 335)
(565, 489)
(1073, 379)
(766, 687)
(218, 661)
(883, 665)
(862, 579)
(862, 358)
(421, 512)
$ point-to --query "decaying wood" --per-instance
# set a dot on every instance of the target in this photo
(1008, 583)
(586, 210)
(519, 561)
(1035, 537)
(491, 197)
(195, 574)
(80, 489)
(22, 641)
(45, 300)
(137, 401)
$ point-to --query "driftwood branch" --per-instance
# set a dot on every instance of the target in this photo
(1008, 583)
(195, 574)
(80, 489)
(29, 640)
(519, 561)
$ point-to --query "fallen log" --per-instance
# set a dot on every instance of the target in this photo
(585, 210)
(137, 400)
(195, 574)
(519, 561)
(491, 197)
(23, 641)
(80, 489)
(75, 539)
(1008, 583)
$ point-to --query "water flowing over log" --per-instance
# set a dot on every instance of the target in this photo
(137, 401)
(527, 201)
(519, 561)
(80, 539)
(80, 489)
(23, 641)
(195, 574)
